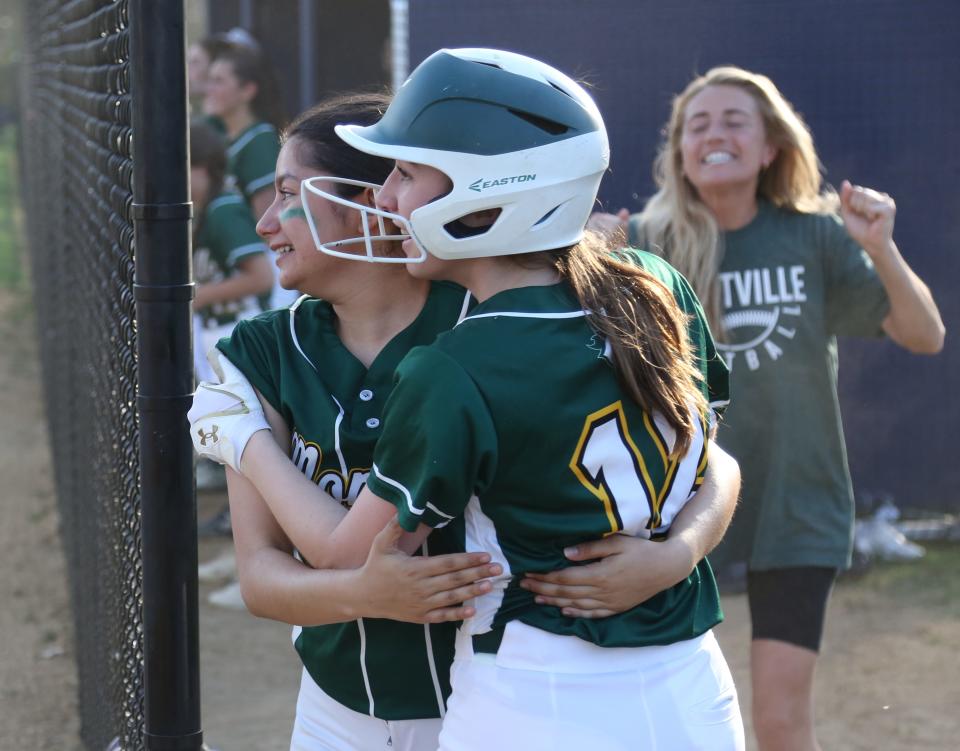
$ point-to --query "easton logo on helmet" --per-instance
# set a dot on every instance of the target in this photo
(481, 184)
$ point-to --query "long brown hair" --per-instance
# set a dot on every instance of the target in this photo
(677, 224)
(647, 332)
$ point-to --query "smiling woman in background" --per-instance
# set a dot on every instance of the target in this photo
(782, 267)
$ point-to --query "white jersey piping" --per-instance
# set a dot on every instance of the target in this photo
(261, 182)
(464, 308)
(237, 145)
(409, 500)
(363, 664)
(227, 200)
(243, 250)
(293, 330)
(336, 437)
(430, 660)
(509, 314)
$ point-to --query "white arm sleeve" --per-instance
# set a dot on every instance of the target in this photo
(224, 415)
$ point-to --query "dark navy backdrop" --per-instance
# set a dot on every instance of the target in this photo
(879, 83)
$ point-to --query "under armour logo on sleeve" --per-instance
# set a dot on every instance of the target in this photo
(212, 435)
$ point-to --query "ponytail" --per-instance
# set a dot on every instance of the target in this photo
(647, 332)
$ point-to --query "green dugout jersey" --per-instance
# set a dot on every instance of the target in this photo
(226, 237)
(790, 283)
(252, 158)
(515, 422)
(333, 406)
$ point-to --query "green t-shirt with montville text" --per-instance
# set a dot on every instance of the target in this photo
(790, 283)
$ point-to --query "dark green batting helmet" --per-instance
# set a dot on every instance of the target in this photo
(511, 133)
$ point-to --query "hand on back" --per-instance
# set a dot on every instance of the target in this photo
(611, 583)
(421, 589)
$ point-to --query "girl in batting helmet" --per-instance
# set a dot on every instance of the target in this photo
(564, 407)
(583, 346)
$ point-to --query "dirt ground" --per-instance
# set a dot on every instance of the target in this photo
(889, 679)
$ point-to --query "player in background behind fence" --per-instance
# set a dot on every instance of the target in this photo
(230, 262)
(240, 95)
(241, 92)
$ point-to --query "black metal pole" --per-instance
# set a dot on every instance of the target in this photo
(308, 53)
(163, 290)
(246, 15)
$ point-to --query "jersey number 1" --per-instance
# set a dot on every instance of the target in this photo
(609, 464)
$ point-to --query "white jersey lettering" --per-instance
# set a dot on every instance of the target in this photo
(752, 287)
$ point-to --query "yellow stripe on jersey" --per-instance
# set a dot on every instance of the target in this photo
(702, 465)
(657, 440)
(655, 519)
(669, 466)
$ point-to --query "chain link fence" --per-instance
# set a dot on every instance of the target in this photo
(78, 172)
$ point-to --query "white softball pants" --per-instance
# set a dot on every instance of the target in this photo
(536, 694)
(323, 724)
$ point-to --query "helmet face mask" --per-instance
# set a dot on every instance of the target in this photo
(512, 134)
(326, 188)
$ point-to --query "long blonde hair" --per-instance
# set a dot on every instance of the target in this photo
(677, 224)
(647, 332)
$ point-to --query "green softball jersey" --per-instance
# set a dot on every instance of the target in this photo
(252, 158)
(333, 406)
(515, 421)
(227, 235)
(790, 283)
